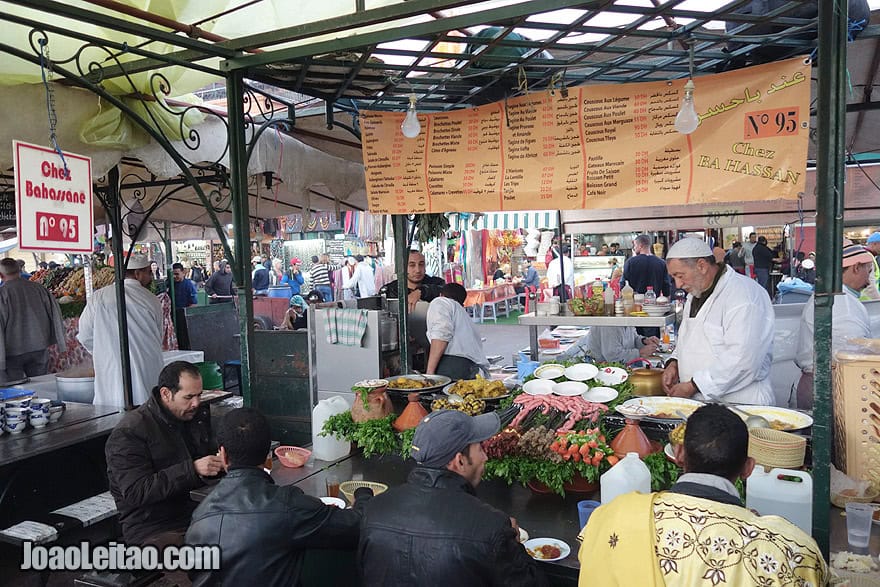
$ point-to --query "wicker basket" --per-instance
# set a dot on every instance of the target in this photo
(857, 416)
(775, 448)
(349, 487)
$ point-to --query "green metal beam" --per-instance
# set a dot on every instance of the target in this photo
(397, 33)
(94, 17)
(399, 225)
(830, 172)
(235, 90)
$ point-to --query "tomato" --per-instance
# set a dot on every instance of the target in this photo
(554, 446)
(577, 457)
(597, 458)
(612, 460)
(584, 450)
(593, 444)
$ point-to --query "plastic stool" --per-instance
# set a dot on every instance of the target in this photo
(232, 377)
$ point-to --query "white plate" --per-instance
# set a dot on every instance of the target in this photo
(338, 502)
(612, 376)
(538, 387)
(581, 372)
(551, 351)
(570, 388)
(659, 407)
(793, 419)
(550, 371)
(669, 452)
(535, 543)
(511, 382)
(600, 395)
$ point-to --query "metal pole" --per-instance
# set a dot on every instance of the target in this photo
(830, 169)
(240, 217)
(119, 264)
(169, 276)
(401, 259)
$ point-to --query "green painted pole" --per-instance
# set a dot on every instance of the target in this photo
(169, 273)
(830, 169)
(240, 222)
(399, 224)
(119, 263)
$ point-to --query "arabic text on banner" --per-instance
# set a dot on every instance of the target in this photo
(599, 146)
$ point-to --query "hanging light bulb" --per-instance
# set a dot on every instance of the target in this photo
(411, 127)
(687, 121)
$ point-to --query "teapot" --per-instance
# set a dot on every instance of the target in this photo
(646, 381)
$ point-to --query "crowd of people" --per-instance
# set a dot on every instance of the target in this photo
(406, 535)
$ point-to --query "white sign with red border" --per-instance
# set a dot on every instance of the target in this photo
(54, 205)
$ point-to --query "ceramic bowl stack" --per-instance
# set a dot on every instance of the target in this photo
(657, 309)
(18, 413)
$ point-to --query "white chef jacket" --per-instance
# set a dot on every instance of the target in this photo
(448, 320)
(553, 273)
(727, 347)
(849, 320)
(99, 334)
(363, 278)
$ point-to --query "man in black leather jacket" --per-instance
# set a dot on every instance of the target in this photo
(433, 530)
(262, 529)
(157, 454)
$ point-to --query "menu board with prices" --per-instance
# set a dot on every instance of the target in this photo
(7, 207)
(599, 147)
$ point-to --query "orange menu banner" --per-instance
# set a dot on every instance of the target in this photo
(599, 146)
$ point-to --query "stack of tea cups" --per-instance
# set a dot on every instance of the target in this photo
(17, 414)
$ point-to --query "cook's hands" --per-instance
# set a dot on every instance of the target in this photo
(208, 466)
(651, 345)
(686, 389)
(670, 377)
(412, 299)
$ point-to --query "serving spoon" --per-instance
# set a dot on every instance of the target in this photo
(752, 420)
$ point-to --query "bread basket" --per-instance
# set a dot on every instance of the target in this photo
(777, 449)
(841, 499)
(349, 487)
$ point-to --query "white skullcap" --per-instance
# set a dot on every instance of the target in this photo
(689, 248)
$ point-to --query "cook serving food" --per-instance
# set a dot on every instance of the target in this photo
(724, 342)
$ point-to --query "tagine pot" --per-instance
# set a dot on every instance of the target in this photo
(377, 406)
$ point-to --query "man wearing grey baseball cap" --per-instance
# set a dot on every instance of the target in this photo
(433, 530)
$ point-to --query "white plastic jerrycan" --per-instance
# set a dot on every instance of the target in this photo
(630, 474)
(328, 448)
(782, 492)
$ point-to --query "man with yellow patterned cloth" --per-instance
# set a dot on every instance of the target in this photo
(698, 532)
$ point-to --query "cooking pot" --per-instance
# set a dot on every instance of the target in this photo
(388, 332)
(647, 381)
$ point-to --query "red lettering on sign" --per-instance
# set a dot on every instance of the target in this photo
(57, 227)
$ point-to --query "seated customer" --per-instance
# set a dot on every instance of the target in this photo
(296, 316)
(263, 529)
(157, 453)
(698, 533)
(433, 530)
(419, 286)
(456, 347)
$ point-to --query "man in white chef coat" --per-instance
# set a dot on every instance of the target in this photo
(99, 334)
(723, 351)
(849, 318)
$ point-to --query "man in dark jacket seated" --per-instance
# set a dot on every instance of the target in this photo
(262, 529)
(433, 530)
(157, 454)
(419, 286)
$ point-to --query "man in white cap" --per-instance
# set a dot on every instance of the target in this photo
(434, 530)
(99, 334)
(849, 318)
(872, 290)
(724, 343)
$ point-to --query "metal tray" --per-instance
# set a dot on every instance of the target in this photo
(441, 381)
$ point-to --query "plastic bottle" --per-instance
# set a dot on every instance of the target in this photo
(782, 492)
(626, 293)
(650, 297)
(609, 301)
(328, 448)
(630, 474)
(598, 296)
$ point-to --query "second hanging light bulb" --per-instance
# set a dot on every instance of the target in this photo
(411, 126)
(687, 120)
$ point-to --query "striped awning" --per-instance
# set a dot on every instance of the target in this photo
(540, 219)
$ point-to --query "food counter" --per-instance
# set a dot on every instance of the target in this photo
(533, 322)
(588, 268)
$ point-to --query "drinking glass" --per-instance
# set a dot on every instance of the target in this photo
(333, 486)
(858, 524)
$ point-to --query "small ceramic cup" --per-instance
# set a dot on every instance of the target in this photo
(38, 419)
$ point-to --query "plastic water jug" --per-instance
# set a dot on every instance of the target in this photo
(782, 492)
(328, 448)
(630, 474)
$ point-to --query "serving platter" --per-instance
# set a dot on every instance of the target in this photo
(658, 407)
(449, 391)
(779, 418)
(438, 382)
(612, 376)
